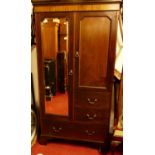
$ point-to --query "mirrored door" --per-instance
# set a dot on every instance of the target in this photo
(55, 49)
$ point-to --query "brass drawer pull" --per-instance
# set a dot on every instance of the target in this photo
(56, 130)
(91, 117)
(90, 133)
(92, 102)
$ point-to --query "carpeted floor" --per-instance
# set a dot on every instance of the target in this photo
(58, 104)
(57, 148)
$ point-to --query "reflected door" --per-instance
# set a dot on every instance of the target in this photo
(55, 49)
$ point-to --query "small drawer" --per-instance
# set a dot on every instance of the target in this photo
(82, 114)
(57, 128)
(94, 99)
(92, 132)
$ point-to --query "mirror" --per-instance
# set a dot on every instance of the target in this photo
(54, 39)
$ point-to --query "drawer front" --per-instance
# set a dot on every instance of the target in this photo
(82, 114)
(56, 128)
(91, 132)
(94, 132)
(93, 99)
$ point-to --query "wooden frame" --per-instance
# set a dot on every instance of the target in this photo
(53, 2)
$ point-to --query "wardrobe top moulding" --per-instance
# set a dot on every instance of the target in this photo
(75, 5)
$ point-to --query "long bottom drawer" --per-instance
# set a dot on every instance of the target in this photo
(75, 130)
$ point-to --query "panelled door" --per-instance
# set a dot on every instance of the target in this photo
(94, 51)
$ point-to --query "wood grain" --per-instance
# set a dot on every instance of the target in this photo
(65, 2)
(93, 50)
(92, 32)
(95, 7)
(49, 39)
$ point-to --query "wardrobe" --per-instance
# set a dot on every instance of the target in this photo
(79, 37)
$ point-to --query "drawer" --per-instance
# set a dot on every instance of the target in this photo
(93, 132)
(83, 114)
(93, 99)
(59, 129)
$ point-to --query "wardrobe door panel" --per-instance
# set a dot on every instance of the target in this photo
(94, 37)
(95, 49)
(54, 37)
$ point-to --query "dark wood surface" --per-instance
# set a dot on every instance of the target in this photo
(93, 35)
(42, 115)
(93, 99)
(92, 115)
(75, 130)
(48, 48)
(47, 2)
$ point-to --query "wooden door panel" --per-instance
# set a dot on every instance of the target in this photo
(93, 49)
(44, 36)
(95, 44)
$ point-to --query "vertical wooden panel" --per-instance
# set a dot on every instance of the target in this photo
(93, 50)
(49, 38)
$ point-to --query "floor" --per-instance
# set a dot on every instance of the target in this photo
(61, 148)
(55, 106)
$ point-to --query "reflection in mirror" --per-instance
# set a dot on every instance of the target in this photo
(54, 39)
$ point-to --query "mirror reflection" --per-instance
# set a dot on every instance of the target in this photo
(54, 38)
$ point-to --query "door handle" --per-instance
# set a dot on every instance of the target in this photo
(77, 54)
(70, 72)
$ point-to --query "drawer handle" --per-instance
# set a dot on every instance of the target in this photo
(90, 133)
(92, 102)
(91, 117)
(56, 130)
